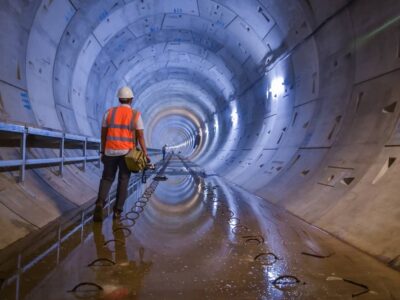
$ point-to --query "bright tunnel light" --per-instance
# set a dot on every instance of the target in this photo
(234, 114)
(206, 131)
(216, 126)
(277, 87)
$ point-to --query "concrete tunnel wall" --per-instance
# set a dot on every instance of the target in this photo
(296, 101)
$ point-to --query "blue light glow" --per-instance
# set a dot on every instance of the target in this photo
(277, 87)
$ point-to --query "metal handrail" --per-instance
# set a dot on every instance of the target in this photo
(61, 137)
(24, 131)
(85, 216)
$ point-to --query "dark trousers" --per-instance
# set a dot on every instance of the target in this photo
(111, 165)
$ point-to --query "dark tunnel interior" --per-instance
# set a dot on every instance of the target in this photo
(279, 108)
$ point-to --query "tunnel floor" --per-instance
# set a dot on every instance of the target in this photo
(199, 237)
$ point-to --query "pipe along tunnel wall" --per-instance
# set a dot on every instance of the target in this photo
(295, 101)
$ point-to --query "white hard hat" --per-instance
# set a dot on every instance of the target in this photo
(125, 93)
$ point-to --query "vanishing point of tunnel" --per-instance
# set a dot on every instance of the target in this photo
(281, 177)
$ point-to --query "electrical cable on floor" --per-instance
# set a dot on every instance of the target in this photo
(257, 238)
(75, 288)
(139, 205)
(264, 258)
(237, 229)
(123, 229)
(129, 220)
(113, 241)
(127, 215)
(366, 288)
(96, 261)
(285, 281)
(317, 255)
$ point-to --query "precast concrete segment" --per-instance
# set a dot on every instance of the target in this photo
(195, 251)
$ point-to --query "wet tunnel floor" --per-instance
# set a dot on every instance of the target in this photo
(202, 238)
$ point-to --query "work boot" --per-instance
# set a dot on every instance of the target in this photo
(117, 214)
(98, 214)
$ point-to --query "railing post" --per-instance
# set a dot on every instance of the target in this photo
(62, 142)
(23, 156)
(84, 154)
(99, 161)
(23, 134)
(109, 204)
(19, 273)
(82, 224)
(58, 243)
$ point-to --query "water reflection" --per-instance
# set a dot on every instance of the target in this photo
(204, 239)
(176, 216)
(124, 279)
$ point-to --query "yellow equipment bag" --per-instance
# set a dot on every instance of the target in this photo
(135, 160)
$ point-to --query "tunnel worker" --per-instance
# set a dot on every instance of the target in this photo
(164, 151)
(197, 140)
(122, 126)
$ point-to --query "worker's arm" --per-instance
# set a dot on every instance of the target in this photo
(140, 137)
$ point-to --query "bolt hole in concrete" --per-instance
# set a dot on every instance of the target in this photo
(347, 180)
(386, 165)
(305, 172)
(390, 108)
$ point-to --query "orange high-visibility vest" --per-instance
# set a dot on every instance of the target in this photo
(121, 124)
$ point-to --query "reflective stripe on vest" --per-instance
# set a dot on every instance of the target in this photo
(121, 124)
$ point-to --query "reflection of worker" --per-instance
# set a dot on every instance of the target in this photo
(197, 140)
(164, 151)
(126, 276)
(121, 126)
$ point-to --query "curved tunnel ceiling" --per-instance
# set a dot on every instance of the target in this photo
(279, 97)
(206, 51)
